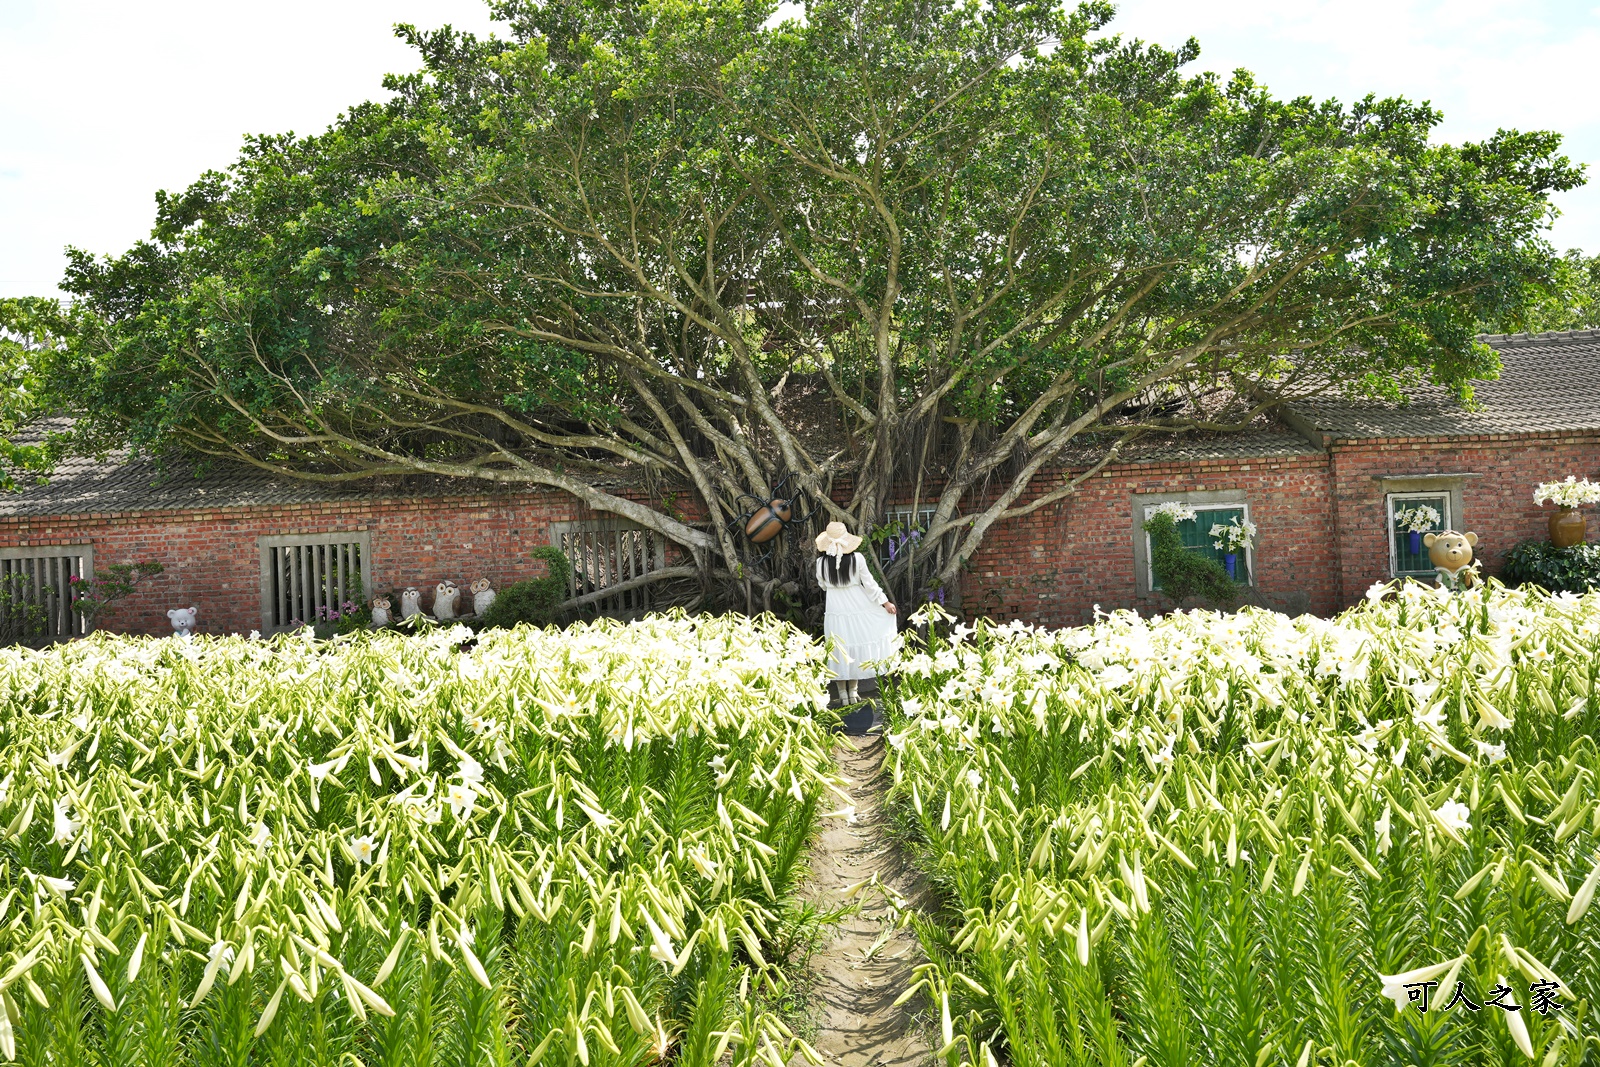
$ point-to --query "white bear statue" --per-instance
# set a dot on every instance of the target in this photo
(482, 596)
(183, 620)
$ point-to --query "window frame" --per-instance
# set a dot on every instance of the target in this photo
(1392, 535)
(1200, 500)
(65, 561)
(917, 518)
(267, 544)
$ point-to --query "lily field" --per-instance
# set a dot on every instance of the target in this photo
(1229, 839)
(552, 847)
(1250, 839)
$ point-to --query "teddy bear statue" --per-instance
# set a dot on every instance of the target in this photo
(183, 620)
(411, 602)
(1451, 554)
(482, 596)
(445, 598)
(380, 611)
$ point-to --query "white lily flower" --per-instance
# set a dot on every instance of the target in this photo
(362, 848)
(1394, 985)
(470, 772)
(1492, 753)
(1454, 816)
(66, 827)
(462, 799)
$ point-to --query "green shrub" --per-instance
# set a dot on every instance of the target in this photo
(536, 600)
(1182, 573)
(1560, 570)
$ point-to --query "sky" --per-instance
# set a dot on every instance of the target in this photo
(104, 102)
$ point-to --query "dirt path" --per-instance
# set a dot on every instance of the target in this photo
(868, 964)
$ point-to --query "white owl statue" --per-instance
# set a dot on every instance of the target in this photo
(380, 611)
(410, 602)
(482, 596)
(445, 598)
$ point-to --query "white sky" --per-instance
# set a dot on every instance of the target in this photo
(102, 103)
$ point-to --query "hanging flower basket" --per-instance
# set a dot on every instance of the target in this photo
(1231, 539)
(1416, 522)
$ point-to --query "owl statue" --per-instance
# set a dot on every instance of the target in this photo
(380, 611)
(411, 602)
(445, 598)
(482, 596)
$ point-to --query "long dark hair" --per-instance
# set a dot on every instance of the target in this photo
(837, 569)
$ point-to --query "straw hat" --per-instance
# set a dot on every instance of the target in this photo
(836, 540)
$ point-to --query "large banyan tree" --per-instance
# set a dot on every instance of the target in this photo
(663, 254)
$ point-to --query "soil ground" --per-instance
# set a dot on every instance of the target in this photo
(868, 963)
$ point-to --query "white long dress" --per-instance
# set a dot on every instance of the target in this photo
(855, 625)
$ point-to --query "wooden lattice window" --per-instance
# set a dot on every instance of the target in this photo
(610, 552)
(37, 592)
(306, 578)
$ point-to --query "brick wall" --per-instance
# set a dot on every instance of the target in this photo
(1497, 497)
(1321, 542)
(212, 561)
(1053, 566)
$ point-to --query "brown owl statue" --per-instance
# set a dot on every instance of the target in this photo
(482, 596)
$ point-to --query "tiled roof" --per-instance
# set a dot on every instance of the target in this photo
(83, 484)
(1549, 382)
(1265, 442)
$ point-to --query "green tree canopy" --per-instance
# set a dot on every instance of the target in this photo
(1573, 300)
(897, 250)
(32, 332)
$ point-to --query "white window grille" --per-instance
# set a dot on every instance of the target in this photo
(306, 578)
(37, 592)
(909, 521)
(1402, 561)
(608, 552)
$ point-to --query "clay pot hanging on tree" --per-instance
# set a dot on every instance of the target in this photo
(1567, 526)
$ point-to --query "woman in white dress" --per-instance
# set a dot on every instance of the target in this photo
(859, 621)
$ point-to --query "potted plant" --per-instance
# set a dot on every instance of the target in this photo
(1416, 522)
(1231, 539)
(1567, 527)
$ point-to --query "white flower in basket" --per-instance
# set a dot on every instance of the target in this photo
(1419, 519)
(1236, 536)
(1571, 493)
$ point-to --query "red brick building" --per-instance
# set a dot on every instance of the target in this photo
(1323, 486)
